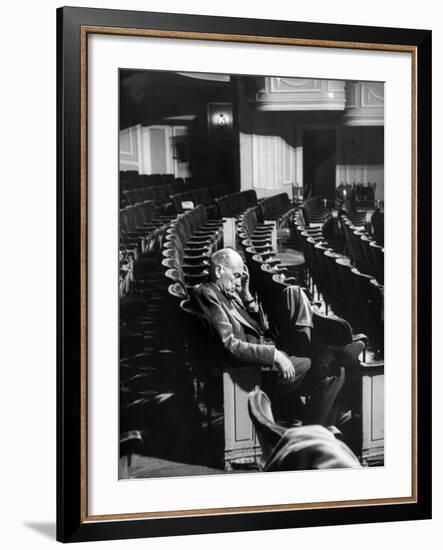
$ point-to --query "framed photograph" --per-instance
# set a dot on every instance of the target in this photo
(244, 337)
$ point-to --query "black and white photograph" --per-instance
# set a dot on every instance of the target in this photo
(221, 225)
(251, 273)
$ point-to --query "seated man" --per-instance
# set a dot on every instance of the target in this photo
(233, 315)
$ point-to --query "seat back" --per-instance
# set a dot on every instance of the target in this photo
(268, 432)
(178, 290)
(378, 258)
(330, 331)
(201, 354)
(377, 227)
(314, 211)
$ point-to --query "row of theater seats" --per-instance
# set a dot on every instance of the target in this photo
(187, 250)
(269, 272)
(160, 194)
(154, 373)
(270, 279)
(141, 227)
(131, 179)
(257, 237)
(253, 232)
(314, 211)
(140, 223)
(351, 294)
(271, 283)
(256, 243)
(143, 231)
(377, 227)
(204, 196)
(349, 208)
(374, 226)
(234, 204)
(157, 384)
(186, 246)
(365, 254)
(277, 208)
(190, 226)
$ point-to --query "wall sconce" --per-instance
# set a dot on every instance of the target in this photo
(221, 121)
(220, 117)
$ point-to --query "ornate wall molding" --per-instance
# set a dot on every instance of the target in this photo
(365, 104)
(130, 143)
(300, 94)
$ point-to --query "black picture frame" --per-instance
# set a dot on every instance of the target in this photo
(73, 523)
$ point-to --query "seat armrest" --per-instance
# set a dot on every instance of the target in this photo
(199, 258)
(361, 338)
(273, 262)
(259, 242)
(198, 246)
(197, 251)
(372, 368)
(263, 230)
(198, 241)
(196, 260)
(264, 247)
(203, 232)
(195, 269)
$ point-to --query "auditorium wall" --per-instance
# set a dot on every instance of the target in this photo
(268, 150)
(272, 148)
(153, 150)
(131, 148)
(360, 156)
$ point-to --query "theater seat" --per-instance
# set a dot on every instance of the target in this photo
(310, 448)
(225, 385)
(299, 448)
(130, 443)
(268, 431)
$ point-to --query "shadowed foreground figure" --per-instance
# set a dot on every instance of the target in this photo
(310, 448)
(242, 338)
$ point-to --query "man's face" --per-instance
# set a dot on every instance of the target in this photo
(230, 276)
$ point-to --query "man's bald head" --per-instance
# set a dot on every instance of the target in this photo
(226, 257)
(226, 269)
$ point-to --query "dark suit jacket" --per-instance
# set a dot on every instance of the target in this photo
(239, 334)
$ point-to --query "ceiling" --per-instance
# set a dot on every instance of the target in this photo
(149, 97)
